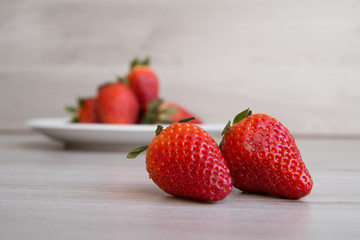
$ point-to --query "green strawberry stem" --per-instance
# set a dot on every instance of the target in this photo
(137, 62)
(123, 80)
(244, 114)
(70, 109)
(158, 130)
(152, 111)
(81, 102)
(239, 117)
(227, 128)
(154, 105)
(169, 111)
(184, 120)
(137, 151)
(154, 115)
(75, 110)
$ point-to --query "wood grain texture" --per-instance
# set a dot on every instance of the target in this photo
(297, 60)
(48, 192)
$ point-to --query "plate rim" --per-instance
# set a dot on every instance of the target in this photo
(64, 123)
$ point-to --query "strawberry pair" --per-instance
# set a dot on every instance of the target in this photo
(257, 154)
(134, 99)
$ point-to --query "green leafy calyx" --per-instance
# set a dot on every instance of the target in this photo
(155, 114)
(74, 111)
(244, 114)
(158, 130)
(138, 62)
(239, 117)
(134, 153)
(184, 120)
(137, 151)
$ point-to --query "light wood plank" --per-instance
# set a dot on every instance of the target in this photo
(48, 192)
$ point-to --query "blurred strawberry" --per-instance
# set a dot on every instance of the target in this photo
(160, 111)
(143, 81)
(117, 104)
(85, 112)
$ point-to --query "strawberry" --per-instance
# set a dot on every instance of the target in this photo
(185, 161)
(85, 112)
(144, 82)
(117, 104)
(263, 157)
(160, 111)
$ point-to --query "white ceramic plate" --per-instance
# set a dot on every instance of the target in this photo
(61, 129)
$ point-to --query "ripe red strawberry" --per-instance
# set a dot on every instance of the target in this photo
(117, 104)
(185, 161)
(263, 157)
(85, 112)
(160, 111)
(144, 82)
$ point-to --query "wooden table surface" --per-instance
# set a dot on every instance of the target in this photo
(49, 192)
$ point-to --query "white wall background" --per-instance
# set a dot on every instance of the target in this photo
(298, 61)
